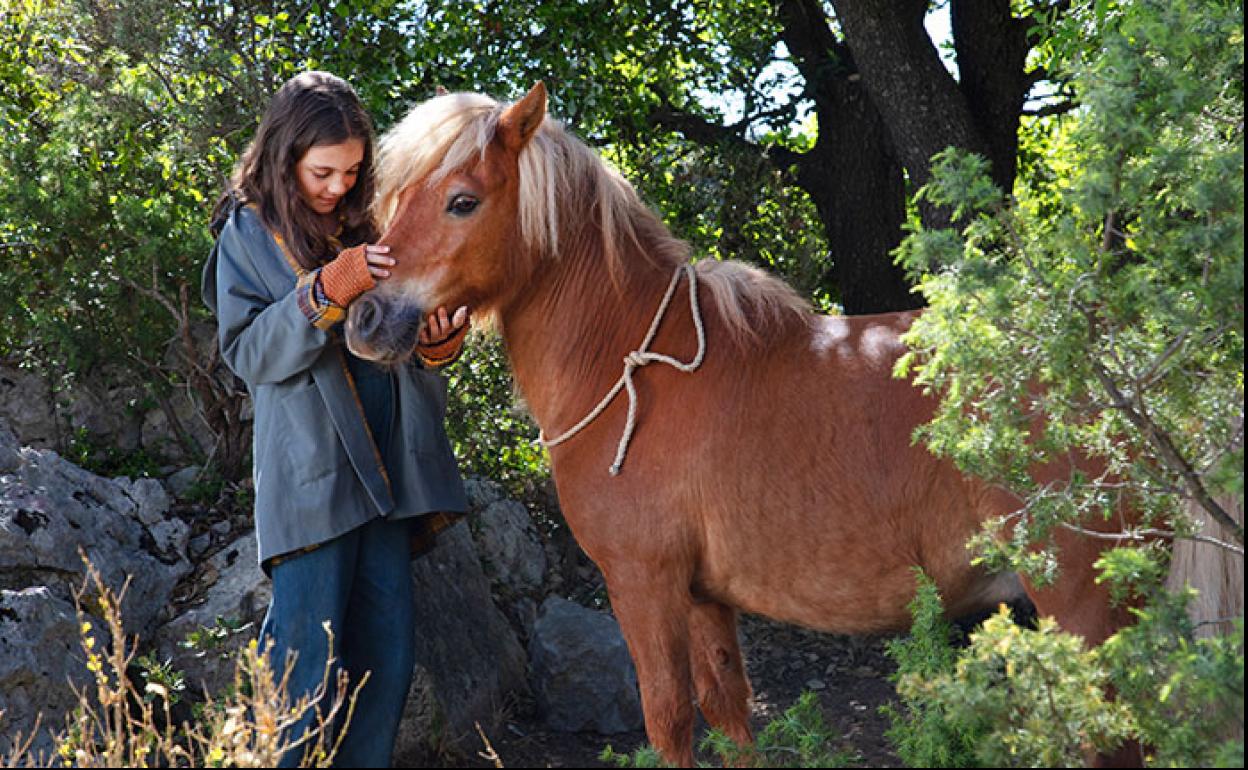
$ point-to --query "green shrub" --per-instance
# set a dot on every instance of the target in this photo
(1096, 311)
(797, 738)
(1185, 694)
(1026, 698)
(492, 434)
(923, 731)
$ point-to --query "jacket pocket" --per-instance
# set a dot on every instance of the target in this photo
(423, 406)
(308, 439)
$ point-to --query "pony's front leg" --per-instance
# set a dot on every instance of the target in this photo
(719, 677)
(653, 610)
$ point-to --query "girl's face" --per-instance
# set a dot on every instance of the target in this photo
(327, 171)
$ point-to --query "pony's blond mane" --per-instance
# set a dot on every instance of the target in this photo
(562, 178)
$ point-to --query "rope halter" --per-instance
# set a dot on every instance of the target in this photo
(643, 357)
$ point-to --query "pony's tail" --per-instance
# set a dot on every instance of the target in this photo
(1217, 573)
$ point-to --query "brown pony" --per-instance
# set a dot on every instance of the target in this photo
(779, 477)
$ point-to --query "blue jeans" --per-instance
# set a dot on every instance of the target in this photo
(361, 583)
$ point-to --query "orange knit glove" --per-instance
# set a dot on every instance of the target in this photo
(445, 350)
(347, 276)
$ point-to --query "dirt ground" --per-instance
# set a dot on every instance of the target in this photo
(849, 675)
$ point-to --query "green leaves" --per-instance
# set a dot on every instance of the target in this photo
(1017, 697)
(1186, 695)
(1086, 339)
(1101, 309)
(1037, 698)
(491, 435)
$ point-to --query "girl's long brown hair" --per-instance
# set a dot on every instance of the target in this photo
(314, 108)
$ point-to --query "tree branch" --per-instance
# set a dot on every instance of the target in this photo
(1139, 535)
(1168, 453)
(816, 50)
(1057, 108)
(711, 134)
(788, 108)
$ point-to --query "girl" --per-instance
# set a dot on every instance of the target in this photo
(352, 467)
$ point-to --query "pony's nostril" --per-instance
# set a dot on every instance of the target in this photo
(368, 317)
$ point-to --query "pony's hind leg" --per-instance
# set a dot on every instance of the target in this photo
(719, 678)
(1082, 607)
(654, 616)
(1080, 604)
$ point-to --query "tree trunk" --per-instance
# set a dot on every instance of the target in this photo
(921, 103)
(991, 47)
(852, 173)
(925, 108)
(858, 187)
(885, 105)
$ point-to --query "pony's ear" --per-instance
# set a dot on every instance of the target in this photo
(440, 91)
(521, 120)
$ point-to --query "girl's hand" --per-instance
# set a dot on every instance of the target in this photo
(439, 326)
(379, 260)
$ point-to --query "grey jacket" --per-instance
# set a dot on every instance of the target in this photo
(318, 473)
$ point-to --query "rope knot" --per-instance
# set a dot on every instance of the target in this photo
(641, 357)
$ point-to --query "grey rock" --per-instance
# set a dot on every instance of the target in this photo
(171, 536)
(10, 450)
(468, 660)
(40, 656)
(149, 496)
(481, 492)
(583, 676)
(523, 614)
(95, 409)
(233, 607)
(198, 545)
(181, 481)
(510, 546)
(51, 510)
(26, 406)
(160, 438)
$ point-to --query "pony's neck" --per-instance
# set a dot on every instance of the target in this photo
(568, 333)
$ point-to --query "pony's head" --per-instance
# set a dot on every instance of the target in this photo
(472, 197)
(457, 210)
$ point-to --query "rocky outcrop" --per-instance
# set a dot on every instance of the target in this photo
(468, 659)
(41, 661)
(512, 552)
(26, 407)
(52, 515)
(583, 676)
(223, 612)
(107, 410)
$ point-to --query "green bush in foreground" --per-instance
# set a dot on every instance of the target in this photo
(1095, 311)
(1021, 698)
(925, 734)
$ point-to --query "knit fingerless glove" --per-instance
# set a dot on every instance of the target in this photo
(347, 276)
(445, 350)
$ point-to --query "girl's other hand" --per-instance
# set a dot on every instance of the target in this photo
(439, 325)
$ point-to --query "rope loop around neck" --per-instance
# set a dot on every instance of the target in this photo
(643, 357)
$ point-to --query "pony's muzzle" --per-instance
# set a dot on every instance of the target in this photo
(381, 328)
(367, 315)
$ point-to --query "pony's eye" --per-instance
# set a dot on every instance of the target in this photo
(462, 205)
